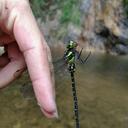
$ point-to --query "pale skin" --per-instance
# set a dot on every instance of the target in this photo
(25, 46)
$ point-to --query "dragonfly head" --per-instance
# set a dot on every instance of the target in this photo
(71, 44)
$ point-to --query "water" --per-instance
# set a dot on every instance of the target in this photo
(102, 88)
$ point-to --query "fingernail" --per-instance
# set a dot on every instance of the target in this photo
(53, 114)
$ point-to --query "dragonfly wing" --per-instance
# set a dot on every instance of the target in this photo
(60, 66)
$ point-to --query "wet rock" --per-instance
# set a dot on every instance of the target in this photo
(121, 49)
(85, 5)
(124, 35)
(101, 30)
(50, 27)
(98, 43)
(73, 33)
(104, 25)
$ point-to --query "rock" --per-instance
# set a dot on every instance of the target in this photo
(104, 25)
(85, 5)
(73, 33)
(121, 49)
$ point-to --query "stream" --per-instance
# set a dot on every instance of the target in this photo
(102, 88)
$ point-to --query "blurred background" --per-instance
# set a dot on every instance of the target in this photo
(99, 26)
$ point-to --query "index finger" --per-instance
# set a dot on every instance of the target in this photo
(34, 48)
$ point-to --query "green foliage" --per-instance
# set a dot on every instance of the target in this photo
(69, 8)
(125, 2)
(40, 7)
(70, 12)
(36, 6)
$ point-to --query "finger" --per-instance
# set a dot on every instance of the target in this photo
(13, 69)
(5, 39)
(33, 46)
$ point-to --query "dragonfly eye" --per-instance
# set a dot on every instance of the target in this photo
(72, 44)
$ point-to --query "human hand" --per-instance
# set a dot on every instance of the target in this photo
(25, 46)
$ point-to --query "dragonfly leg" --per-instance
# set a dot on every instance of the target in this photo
(87, 57)
(79, 56)
(83, 61)
(79, 53)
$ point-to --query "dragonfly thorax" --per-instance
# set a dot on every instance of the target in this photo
(70, 57)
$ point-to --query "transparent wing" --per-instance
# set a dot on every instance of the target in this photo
(60, 67)
(61, 73)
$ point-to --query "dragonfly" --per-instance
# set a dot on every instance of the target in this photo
(70, 56)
